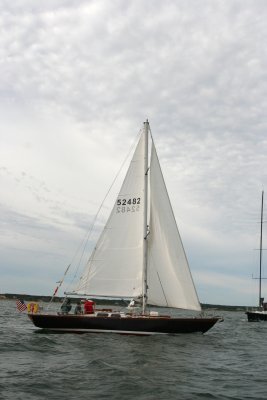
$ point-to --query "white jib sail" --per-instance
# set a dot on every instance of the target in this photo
(170, 282)
(115, 267)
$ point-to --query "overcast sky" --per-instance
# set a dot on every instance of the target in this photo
(77, 80)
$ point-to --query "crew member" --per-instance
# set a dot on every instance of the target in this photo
(89, 307)
(66, 306)
(78, 308)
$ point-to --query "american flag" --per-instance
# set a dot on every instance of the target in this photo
(21, 306)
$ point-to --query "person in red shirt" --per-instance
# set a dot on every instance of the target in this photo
(89, 307)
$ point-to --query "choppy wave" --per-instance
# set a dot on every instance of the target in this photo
(228, 362)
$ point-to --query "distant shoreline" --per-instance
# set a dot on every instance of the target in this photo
(59, 299)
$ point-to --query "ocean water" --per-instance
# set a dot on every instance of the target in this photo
(228, 362)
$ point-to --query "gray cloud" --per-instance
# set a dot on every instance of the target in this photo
(76, 82)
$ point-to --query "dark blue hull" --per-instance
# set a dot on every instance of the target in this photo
(255, 316)
(137, 325)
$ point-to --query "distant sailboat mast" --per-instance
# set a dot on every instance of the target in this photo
(260, 298)
(260, 314)
(145, 232)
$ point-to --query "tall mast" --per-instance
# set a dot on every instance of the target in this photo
(262, 195)
(146, 126)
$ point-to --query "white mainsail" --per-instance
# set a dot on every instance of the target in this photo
(115, 268)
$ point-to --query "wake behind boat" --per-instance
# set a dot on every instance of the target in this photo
(139, 255)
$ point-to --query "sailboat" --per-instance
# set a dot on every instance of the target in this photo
(261, 313)
(139, 255)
